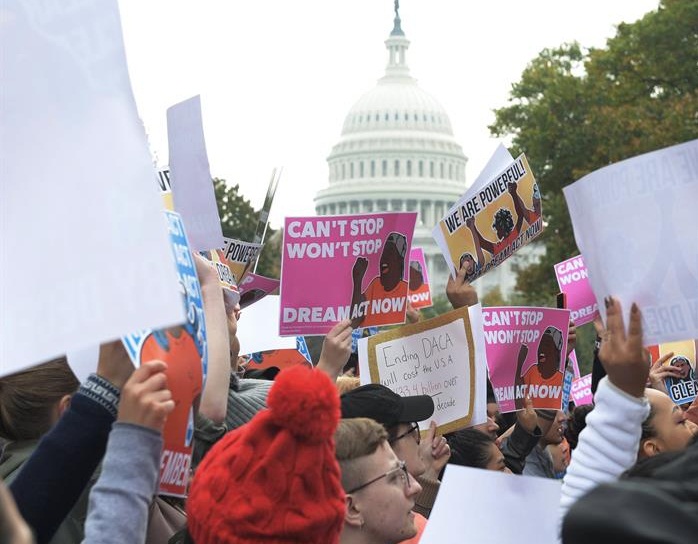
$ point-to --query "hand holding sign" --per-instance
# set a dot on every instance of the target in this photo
(435, 452)
(145, 399)
(621, 355)
(459, 291)
(336, 349)
(114, 364)
(659, 372)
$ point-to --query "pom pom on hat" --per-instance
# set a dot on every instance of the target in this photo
(274, 480)
(302, 402)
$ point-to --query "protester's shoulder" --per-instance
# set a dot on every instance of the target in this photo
(13, 457)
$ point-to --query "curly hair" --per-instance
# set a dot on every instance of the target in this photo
(503, 221)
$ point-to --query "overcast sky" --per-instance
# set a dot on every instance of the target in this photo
(277, 77)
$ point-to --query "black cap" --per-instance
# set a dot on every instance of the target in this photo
(379, 403)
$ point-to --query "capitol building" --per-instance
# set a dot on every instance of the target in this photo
(397, 152)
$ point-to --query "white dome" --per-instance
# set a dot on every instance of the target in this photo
(397, 102)
(397, 152)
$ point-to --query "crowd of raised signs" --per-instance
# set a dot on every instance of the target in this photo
(217, 422)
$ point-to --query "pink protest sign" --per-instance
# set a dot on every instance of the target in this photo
(254, 288)
(581, 391)
(344, 266)
(575, 364)
(573, 279)
(526, 352)
(420, 294)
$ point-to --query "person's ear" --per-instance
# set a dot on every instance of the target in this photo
(63, 404)
(352, 515)
(649, 447)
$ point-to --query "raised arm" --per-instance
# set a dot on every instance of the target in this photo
(357, 275)
(58, 471)
(119, 500)
(214, 398)
(609, 444)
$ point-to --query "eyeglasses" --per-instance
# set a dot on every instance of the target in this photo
(414, 428)
(400, 472)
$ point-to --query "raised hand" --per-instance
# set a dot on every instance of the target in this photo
(459, 292)
(412, 315)
(145, 399)
(621, 354)
(336, 349)
(527, 418)
(435, 452)
(571, 337)
(658, 372)
(359, 270)
(114, 364)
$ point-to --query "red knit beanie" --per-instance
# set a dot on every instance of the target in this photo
(274, 480)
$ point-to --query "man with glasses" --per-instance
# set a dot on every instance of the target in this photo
(380, 492)
(399, 416)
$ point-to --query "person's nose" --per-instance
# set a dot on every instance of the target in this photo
(413, 487)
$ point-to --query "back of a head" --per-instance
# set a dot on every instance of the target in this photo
(356, 438)
(469, 448)
(660, 505)
(576, 423)
(29, 399)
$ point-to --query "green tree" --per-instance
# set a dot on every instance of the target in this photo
(575, 110)
(239, 220)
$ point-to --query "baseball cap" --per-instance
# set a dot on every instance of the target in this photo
(379, 403)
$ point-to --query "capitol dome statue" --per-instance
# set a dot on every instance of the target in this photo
(397, 152)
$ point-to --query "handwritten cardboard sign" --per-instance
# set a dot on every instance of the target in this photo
(652, 259)
(683, 389)
(573, 279)
(345, 267)
(420, 293)
(434, 357)
(486, 226)
(254, 288)
(526, 353)
(581, 391)
(184, 349)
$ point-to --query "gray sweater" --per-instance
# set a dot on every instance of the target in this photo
(119, 501)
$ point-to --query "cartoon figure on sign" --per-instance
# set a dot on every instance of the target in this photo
(682, 388)
(181, 347)
(388, 286)
(543, 380)
(506, 230)
(416, 276)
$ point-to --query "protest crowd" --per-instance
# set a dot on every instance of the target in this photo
(216, 430)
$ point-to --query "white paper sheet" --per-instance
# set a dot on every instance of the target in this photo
(481, 506)
(83, 362)
(634, 222)
(480, 408)
(77, 187)
(190, 177)
(258, 328)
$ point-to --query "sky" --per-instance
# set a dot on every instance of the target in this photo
(277, 77)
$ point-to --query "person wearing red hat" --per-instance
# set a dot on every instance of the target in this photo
(275, 479)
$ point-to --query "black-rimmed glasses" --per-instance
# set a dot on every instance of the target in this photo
(414, 428)
(400, 472)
